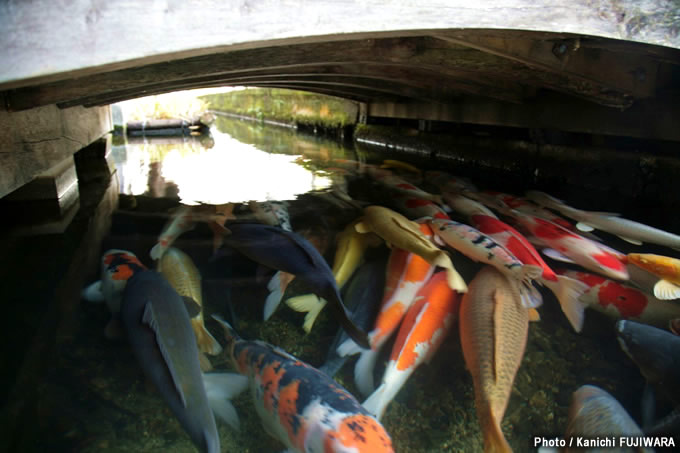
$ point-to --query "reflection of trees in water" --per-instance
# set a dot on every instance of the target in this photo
(283, 140)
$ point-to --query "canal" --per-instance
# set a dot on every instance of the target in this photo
(93, 396)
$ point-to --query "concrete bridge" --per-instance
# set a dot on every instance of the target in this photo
(599, 67)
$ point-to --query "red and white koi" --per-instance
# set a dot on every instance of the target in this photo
(503, 202)
(394, 182)
(621, 301)
(466, 206)
(406, 274)
(482, 248)
(415, 208)
(421, 333)
(628, 230)
(566, 290)
(589, 254)
(300, 405)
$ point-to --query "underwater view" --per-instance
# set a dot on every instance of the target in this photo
(326, 296)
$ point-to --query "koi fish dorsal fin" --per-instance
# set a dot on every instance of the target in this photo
(149, 319)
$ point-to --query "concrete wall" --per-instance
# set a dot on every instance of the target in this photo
(36, 140)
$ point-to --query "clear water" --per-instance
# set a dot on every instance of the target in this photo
(94, 398)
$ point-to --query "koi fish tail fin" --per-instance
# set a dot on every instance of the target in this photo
(376, 403)
(529, 295)
(494, 440)
(229, 332)
(363, 371)
(273, 300)
(156, 251)
(349, 347)
(531, 272)
(220, 388)
(568, 290)
(309, 303)
(93, 292)
(204, 339)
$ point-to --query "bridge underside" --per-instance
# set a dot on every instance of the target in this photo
(514, 78)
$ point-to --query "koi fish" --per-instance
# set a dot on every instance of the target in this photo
(274, 214)
(564, 243)
(482, 248)
(362, 296)
(567, 290)
(300, 405)
(289, 252)
(493, 333)
(628, 230)
(466, 206)
(416, 208)
(157, 325)
(394, 182)
(402, 233)
(392, 163)
(280, 281)
(181, 272)
(448, 183)
(503, 202)
(594, 413)
(664, 267)
(406, 274)
(348, 256)
(117, 266)
(182, 221)
(421, 333)
(656, 352)
(621, 301)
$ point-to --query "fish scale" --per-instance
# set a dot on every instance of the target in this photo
(178, 268)
(493, 332)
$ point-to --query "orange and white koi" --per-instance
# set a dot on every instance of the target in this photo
(566, 290)
(628, 230)
(482, 248)
(664, 267)
(578, 249)
(621, 301)
(406, 274)
(421, 333)
(300, 405)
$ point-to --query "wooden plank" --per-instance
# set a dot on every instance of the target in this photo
(446, 79)
(424, 53)
(44, 42)
(551, 111)
(632, 74)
